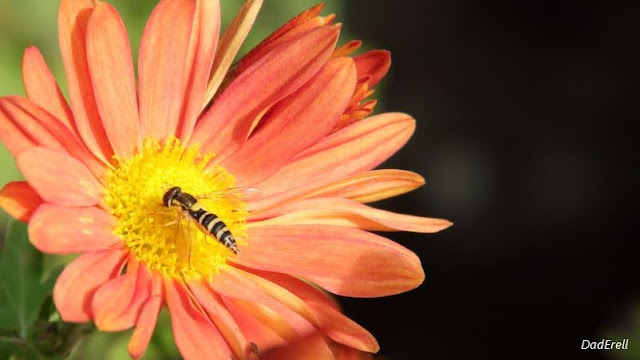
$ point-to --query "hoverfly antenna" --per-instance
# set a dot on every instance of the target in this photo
(168, 197)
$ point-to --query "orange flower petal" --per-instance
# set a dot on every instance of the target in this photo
(358, 147)
(227, 123)
(195, 335)
(337, 326)
(162, 66)
(73, 17)
(345, 261)
(147, 320)
(230, 43)
(254, 331)
(19, 200)
(267, 316)
(344, 212)
(371, 186)
(297, 121)
(66, 230)
(24, 124)
(374, 63)
(220, 316)
(112, 77)
(59, 178)
(79, 281)
(41, 87)
(267, 44)
(202, 48)
(313, 347)
(117, 304)
(343, 330)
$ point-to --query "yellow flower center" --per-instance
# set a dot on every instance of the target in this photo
(165, 238)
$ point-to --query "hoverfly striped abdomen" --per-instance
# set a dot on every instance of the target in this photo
(208, 222)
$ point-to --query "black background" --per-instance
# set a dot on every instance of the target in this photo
(527, 115)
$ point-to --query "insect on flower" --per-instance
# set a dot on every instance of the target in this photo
(134, 151)
(207, 222)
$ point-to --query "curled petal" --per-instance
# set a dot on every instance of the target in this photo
(375, 63)
(297, 121)
(73, 18)
(228, 122)
(196, 336)
(371, 186)
(345, 261)
(333, 323)
(79, 281)
(64, 230)
(59, 178)
(147, 319)
(113, 80)
(230, 44)
(356, 148)
(41, 87)
(344, 212)
(19, 200)
(117, 304)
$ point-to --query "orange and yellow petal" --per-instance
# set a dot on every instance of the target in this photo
(373, 65)
(344, 261)
(356, 148)
(19, 200)
(147, 319)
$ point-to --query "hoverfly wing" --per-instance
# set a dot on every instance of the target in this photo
(243, 192)
(182, 238)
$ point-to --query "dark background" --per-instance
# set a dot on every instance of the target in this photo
(527, 116)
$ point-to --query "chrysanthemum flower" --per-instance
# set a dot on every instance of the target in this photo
(289, 119)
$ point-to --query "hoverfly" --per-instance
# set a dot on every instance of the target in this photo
(207, 222)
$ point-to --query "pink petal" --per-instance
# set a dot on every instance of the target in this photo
(73, 17)
(375, 63)
(147, 320)
(117, 304)
(19, 200)
(230, 43)
(59, 178)
(24, 124)
(79, 281)
(356, 148)
(113, 80)
(64, 230)
(297, 121)
(196, 336)
(345, 261)
(227, 124)
(220, 316)
(344, 212)
(202, 48)
(41, 87)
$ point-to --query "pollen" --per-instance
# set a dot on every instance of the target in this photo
(165, 238)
